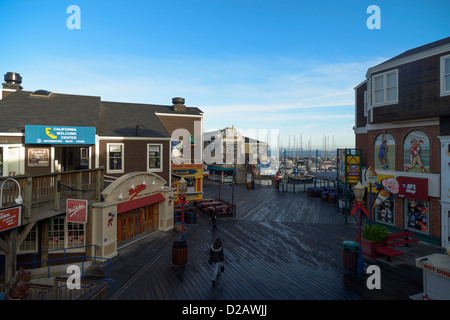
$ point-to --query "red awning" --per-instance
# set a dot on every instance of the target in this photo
(413, 188)
(139, 202)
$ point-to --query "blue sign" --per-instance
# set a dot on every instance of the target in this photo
(59, 135)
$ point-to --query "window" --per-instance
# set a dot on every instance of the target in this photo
(154, 158)
(30, 244)
(115, 157)
(63, 234)
(385, 212)
(445, 75)
(416, 215)
(385, 88)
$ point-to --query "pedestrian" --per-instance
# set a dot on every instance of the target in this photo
(213, 220)
(216, 258)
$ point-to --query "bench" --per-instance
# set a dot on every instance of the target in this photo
(389, 252)
(405, 235)
(396, 239)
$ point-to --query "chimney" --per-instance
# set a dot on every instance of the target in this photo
(12, 81)
(178, 104)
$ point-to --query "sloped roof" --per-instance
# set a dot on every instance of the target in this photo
(20, 108)
(130, 120)
(110, 118)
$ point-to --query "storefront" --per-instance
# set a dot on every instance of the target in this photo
(405, 200)
(135, 204)
(193, 174)
(221, 173)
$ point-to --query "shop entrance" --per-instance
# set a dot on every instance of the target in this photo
(137, 221)
(71, 158)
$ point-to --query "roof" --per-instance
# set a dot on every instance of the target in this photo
(130, 120)
(433, 48)
(110, 118)
(20, 108)
(425, 47)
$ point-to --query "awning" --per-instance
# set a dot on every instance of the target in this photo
(139, 202)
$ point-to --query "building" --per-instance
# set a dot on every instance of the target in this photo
(402, 125)
(59, 146)
(230, 156)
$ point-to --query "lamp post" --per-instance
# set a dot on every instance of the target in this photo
(179, 248)
(182, 190)
(358, 191)
(11, 256)
(19, 197)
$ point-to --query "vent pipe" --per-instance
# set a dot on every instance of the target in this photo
(12, 81)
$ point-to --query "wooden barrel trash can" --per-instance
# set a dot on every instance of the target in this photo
(179, 252)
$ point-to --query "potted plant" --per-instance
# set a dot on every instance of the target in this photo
(372, 238)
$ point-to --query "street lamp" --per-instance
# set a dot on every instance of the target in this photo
(182, 190)
(179, 248)
(19, 197)
(358, 191)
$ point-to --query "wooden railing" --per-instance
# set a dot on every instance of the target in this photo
(52, 187)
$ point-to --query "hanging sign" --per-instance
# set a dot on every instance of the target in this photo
(76, 210)
(413, 188)
(59, 135)
(10, 218)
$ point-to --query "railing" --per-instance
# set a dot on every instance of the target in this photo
(54, 187)
(66, 258)
(89, 290)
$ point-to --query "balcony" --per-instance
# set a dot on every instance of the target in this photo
(45, 195)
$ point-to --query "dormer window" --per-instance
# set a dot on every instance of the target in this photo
(385, 88)
(445, 75)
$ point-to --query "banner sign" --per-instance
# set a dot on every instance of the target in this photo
(76, 210)
(413, 188)
(59, 135)
(10, 218)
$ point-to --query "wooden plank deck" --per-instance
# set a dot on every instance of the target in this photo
(280, 246)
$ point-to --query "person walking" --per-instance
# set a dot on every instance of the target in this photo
(213, 220)
(216, 258)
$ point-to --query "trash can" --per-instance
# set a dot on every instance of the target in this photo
(179, 252)
(350, 256)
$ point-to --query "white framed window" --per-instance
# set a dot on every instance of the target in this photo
(30, 244)
(445, 75)
(63, 234)
(115, 157)
(154, 157)
(12, 160)
(385, 88)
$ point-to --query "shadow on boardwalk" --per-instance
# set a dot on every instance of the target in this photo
(280, 246)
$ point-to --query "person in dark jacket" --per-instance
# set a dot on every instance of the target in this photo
(216, 258)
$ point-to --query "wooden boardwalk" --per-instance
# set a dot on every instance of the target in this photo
(280, 246)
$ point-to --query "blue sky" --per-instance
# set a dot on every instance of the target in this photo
(259, 65)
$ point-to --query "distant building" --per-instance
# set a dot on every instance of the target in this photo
(229, 156)
(402, 125)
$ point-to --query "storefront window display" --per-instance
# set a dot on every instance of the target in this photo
(385, 211)
(384, 151)
(417, 213)
(416, 152)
